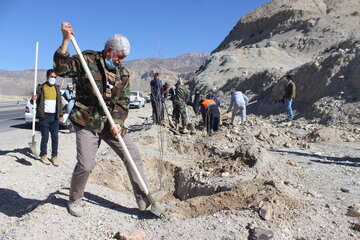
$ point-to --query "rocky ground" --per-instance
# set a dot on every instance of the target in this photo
(265, 178)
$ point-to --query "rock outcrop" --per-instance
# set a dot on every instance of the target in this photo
(314, 40)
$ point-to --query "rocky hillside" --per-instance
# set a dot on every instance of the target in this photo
(19, 82)
(317, 41)
(142, 71)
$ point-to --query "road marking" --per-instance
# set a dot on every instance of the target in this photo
(11, 119)
(10, 113)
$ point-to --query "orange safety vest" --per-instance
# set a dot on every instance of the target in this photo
(207, 102)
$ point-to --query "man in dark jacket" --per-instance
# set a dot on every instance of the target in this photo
(196, 102)
(156, 99)
(289, 96)
(49, 112)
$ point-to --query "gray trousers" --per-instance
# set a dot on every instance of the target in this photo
(237, 110)
(87, 144)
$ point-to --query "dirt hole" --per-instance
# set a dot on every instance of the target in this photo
(197, 187)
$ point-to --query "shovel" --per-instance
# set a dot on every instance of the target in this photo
(34, 146)
(156, 209)
(167, 114)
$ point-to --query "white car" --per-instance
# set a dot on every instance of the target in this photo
(137, 99)
(29, 113)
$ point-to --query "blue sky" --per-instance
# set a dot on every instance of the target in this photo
(155, 28)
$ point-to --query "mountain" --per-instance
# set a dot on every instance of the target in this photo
(19, 82)
(141, 70)
(317, 41)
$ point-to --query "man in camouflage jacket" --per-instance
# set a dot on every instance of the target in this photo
(90, 123)
(180, 96)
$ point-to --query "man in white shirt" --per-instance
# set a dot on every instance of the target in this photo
(238, 104)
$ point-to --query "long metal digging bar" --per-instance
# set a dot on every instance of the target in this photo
(155, 208)
(34, 147)
(167, 113)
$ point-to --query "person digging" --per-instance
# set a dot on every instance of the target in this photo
(90, 116)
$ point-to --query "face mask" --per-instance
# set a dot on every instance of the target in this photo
(51, 81)
(110, 64)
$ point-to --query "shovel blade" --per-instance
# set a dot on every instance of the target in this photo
(35, 148)
(157, 210)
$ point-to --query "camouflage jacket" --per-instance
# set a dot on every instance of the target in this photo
(181, 95)
(87, 111)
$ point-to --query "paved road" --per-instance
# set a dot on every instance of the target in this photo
(11, 118)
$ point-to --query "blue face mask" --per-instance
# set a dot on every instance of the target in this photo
(110, 64)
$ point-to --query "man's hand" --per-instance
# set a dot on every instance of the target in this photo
(115, 130)
(61, 119)
(67, 31)
(34, 96)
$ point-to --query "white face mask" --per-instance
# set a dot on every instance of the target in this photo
(51, 81)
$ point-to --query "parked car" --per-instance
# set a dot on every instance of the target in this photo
(147, 99)
(137, 99)
(29, 113)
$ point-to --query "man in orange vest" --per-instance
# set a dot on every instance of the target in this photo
(211, 115)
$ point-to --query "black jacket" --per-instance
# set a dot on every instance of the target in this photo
(290, 91)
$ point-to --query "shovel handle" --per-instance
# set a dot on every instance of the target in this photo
(35, 83)
(108, 115)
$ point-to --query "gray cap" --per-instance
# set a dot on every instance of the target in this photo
(119, 43)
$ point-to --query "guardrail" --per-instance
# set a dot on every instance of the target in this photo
(13, 103)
